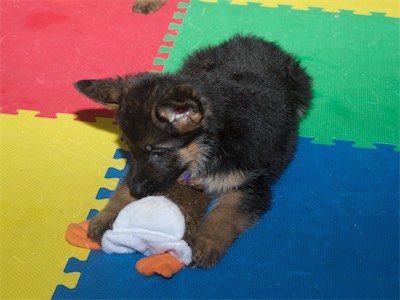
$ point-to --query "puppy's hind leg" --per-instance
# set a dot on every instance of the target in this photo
(105, 219)
(235, 212)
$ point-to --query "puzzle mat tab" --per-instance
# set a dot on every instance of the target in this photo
(353, 59)
(106, 193)
(50, 172)
(333, 232)
(48, 45)
(391, 8)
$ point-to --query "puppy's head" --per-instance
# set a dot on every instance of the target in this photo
(159, 116)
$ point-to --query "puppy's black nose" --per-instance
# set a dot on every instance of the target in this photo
(138, 190)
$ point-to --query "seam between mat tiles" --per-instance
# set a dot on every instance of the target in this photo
(102, 194)
(169, 38)
(390, 8)
(165, 50)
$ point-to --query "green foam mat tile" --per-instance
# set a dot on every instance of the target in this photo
(353, 59)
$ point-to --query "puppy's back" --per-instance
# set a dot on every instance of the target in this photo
(250, 59)
(258, 94)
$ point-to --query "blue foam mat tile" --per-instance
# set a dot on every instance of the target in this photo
(92, 213)
(121, 154)
(104, 193)
(333, 232)
(115, 173)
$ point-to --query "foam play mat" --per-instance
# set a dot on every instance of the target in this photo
(333, 230)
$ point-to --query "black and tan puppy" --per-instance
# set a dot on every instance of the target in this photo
(228, 121)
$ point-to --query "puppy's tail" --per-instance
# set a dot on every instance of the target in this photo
(300, 85)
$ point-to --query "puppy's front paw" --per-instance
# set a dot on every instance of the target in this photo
(206, 252)
(99, 225)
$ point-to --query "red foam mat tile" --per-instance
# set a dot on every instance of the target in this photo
(48, 45)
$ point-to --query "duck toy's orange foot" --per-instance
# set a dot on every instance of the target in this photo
(134, 232)
(164, 265)
(77, 235)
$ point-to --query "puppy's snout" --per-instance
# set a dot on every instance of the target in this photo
(138, 189)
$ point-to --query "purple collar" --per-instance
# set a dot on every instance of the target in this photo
(185, 177)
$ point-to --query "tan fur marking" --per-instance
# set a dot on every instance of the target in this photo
(189, 153)
(227, 209)
(189, 123)
(183, 122)
(194, 183)
(192, 158)
(224, 182)
(196, 118)
(219, 230)
(112, 106)
(164, 114)
(119, 199)
(114, 93)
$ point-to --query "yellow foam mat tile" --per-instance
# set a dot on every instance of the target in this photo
(391, 8)
(50, 171)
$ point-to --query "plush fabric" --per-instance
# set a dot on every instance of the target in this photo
(152, 225)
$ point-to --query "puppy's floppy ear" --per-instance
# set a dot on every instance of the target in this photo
(181, 107)
(105, 91)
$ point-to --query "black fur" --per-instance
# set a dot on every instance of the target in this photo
(240, 103)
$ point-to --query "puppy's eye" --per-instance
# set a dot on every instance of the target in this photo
(155, 153)
(158, 156)
(159, 153)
